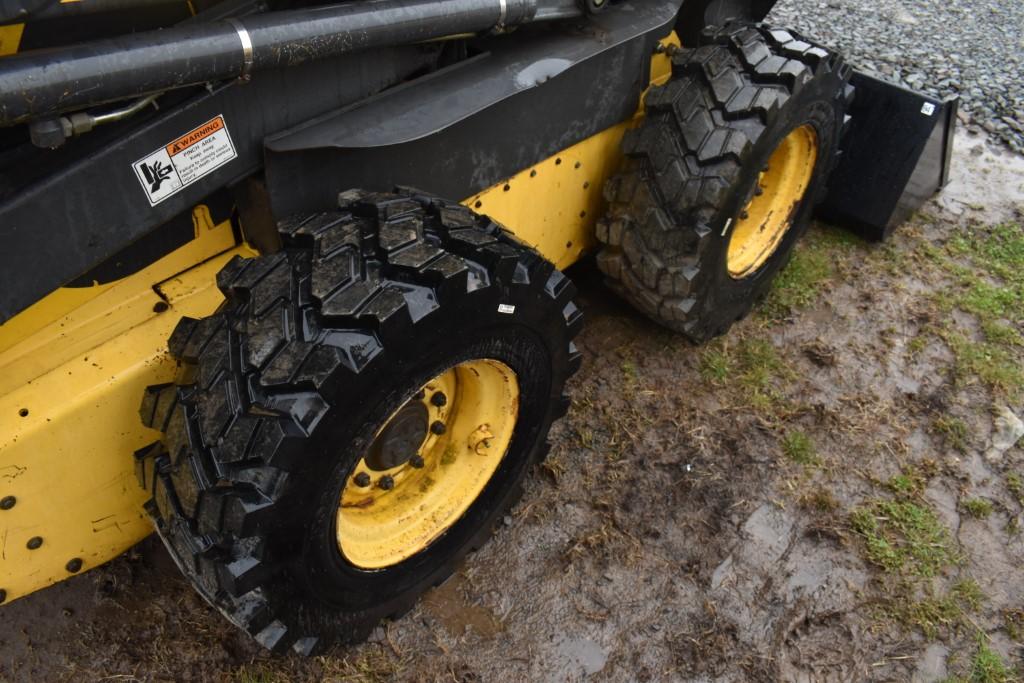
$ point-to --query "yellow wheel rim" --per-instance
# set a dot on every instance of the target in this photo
(429, 461)
(781, 187)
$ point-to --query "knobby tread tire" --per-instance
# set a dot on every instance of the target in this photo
(258, 377)
(687, 170)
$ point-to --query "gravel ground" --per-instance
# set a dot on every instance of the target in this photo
(974, 48)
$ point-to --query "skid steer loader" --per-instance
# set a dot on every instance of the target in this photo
(319, 248)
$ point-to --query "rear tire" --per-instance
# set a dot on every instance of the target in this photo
(694, 164)
(282, 394)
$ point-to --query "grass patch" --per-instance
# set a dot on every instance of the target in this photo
(954, 431)
(987, 267)
(936, 613)
(716, 365)
(752, 367)
(1013, 620)
(903, 537)
(979, 508)
(1015, 484)
(820, 500)
(800, 283)
(799, 448)
(986, 667)
(374, 666)
(992, 363)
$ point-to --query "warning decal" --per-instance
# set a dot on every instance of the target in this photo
(185, 160)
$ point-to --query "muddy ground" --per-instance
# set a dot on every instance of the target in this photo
(811, 498)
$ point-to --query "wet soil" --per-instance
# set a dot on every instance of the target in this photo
(697, 518)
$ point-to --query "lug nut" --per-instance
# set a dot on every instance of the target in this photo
(386, 482)
(439, 399)
(7, 502)
(362, 479)
(74, 565)
(416, 461)
(34, 543)
(437, 427)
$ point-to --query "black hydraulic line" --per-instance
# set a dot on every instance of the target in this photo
(36, 85)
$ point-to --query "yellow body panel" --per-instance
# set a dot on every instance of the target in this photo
(69, 397)
(554, 205)
(73, 366)
(10, 38)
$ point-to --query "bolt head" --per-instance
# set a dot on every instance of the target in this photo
(74, 565)
(386, 482)
(437, 427)
(439, 399)
(7, 502)
(34, 543)
(362, 479)
(416, 461)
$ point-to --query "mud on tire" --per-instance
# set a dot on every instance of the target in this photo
(694, 163)
(281, 390)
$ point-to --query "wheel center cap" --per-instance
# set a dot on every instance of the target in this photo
(400, 439)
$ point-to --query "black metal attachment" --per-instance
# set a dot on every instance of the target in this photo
(37, 85)
(7, 502)
(895, 157)
(34, 543)
(74, 565)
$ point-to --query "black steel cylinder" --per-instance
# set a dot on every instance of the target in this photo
(35, 85)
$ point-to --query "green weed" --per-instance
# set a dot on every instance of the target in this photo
(979, 508)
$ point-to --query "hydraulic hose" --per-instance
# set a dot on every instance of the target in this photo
(36, 85)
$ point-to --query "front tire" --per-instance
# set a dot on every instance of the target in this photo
(310, 400)
(722, 176)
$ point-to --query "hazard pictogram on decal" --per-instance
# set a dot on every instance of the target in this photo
(185, 160)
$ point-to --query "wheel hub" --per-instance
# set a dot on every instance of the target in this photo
(401, 438)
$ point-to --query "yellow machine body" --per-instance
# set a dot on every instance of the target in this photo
(74, 366)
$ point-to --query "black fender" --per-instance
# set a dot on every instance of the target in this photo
(695, 15)
(473, 124)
